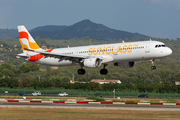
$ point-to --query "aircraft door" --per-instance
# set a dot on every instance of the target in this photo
(77, 52)
(115, 51)
(147, 48)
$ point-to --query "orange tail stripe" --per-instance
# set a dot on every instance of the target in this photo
(33, 45)
(37, 57)
(22, 46)
(24, 35)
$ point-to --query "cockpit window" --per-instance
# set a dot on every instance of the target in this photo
(157, 46)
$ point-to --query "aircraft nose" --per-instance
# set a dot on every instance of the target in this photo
(169, 51)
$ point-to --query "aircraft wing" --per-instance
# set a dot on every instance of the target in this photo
(46, 54)
(57, 55)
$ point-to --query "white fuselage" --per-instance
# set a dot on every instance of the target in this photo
(110, 53)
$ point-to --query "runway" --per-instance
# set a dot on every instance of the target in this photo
(88, 106)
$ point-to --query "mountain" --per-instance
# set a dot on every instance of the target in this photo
(47, 31)
(49, 28)
(83, 28)
(8, 33)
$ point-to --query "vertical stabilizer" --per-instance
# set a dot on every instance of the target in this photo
(26, 39)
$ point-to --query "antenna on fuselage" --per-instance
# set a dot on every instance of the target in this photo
(68, 46)
(150, 39)
(123, 41)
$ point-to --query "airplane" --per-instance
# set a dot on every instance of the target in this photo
(122, 54)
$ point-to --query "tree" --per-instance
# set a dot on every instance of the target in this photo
(65, 80)
(28, 67)
(25, 83)
(7, 73)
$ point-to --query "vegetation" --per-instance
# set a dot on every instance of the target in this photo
(139, 79)
(89, 89)
(98, 99)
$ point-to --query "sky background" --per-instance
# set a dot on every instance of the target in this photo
(155, 18)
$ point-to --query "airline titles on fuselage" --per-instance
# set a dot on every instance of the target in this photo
(109, 50)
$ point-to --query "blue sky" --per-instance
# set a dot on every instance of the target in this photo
(155, 18)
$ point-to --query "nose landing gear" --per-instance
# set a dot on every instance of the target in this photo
(152, 67)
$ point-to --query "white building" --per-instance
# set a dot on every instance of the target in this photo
(105, 81)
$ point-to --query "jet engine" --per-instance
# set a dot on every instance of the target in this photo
(125, 64)
(92, 62)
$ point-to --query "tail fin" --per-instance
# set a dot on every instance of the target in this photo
(26, 39)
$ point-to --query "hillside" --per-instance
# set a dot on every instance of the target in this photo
(47, 31)
(48, 28)
(81, 29)
(85, 28)
(8, 33)
(94, 31)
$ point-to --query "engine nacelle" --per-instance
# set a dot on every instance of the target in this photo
(92, 62)
(125, 64)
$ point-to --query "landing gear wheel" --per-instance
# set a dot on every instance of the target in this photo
(81, 71)
(152, 62)
(103, 71)
(153, 67)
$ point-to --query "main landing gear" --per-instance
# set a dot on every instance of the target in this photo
(152, 67)
(104, 71)
(81, 71)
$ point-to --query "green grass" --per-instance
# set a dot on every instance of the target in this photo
(98, 99)
(172, 100)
